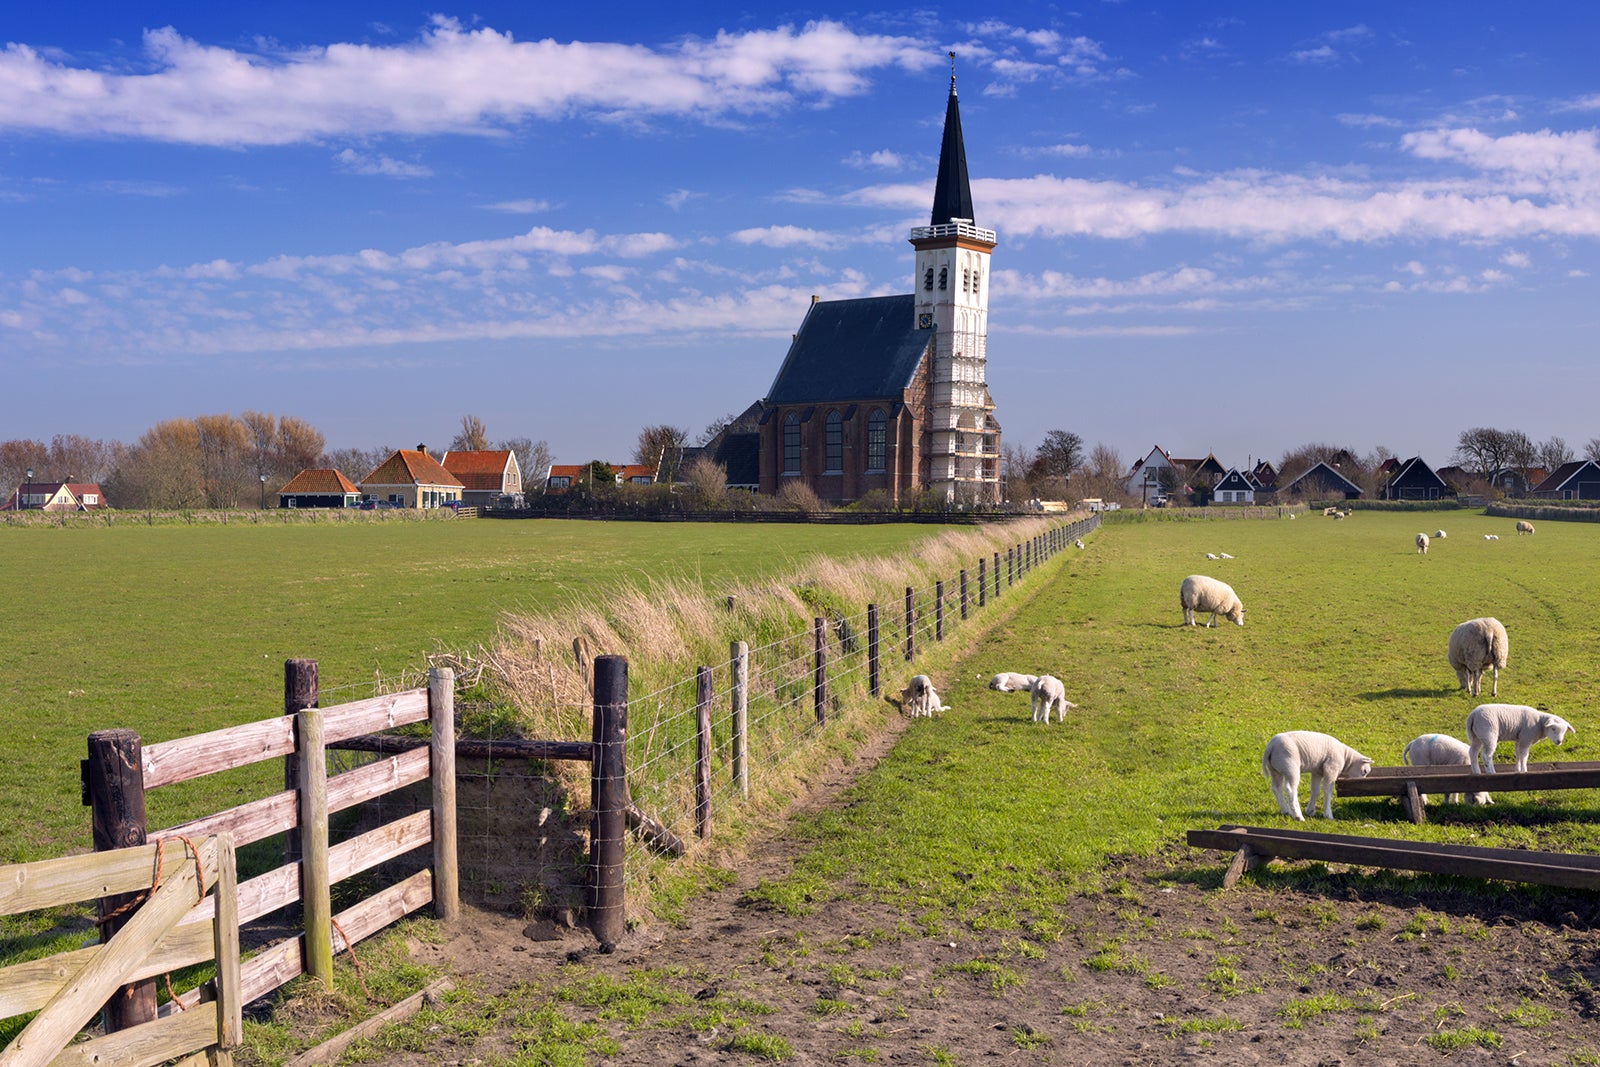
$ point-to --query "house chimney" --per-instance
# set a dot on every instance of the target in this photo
(423, 449)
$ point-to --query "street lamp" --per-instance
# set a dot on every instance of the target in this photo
(20, 502)
(263, 492)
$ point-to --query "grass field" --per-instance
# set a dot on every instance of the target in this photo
(1346, 627)
(172, 630)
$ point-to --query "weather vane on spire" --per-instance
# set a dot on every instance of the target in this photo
(952, 72)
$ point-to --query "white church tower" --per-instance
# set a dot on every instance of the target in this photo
(952, 299)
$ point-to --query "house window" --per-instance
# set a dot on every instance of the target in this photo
(91, 499)
(877, 440)
(560, 481)
(791, 444)
(833, 454)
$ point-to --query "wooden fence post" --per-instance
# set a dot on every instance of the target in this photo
(299, 693)
(938, 611)
(963, 594)
(442, 770)
(997, 575)
(819, 672)
(114, 774)
(608, 801)
(872, 651)
(983, 581)
(911, 623)
(702, 751)
(739, 668)
(1010, 568)
(316, 888)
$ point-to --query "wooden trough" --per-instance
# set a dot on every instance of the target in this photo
(1253, 845)
(1407, 783)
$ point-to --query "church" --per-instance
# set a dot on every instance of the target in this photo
(888, 392)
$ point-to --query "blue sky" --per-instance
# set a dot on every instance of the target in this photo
(1369, 224)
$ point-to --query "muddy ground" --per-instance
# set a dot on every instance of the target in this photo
(1162, 966)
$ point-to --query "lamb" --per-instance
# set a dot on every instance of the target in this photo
(1078, 543)
(1475, 646)
(1441, 750)
(1011, 682)
(1422, 543)
(1340, 514)
(1491, 537)
(1045, 693)
(1489, 724)
(920, 698)
(1224, 555)
(1524, 527)
(1326, 757)
(1330, 511)
(1212, 555)
(1438, 535)
(1202, 594)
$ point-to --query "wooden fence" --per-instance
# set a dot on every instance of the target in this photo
(121, 769)
(163, 930)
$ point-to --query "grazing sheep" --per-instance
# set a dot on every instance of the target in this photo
(1475, 646)
(1078, 543)
(1524, 527)
(1212, 555)
(1202, 594)
(920, 698)
(1340, 514)
(1422, 543)
(1048, 692)
(1489, 724)
(1438, 535)
(1011, 682)
(1441, 750)
(1326, 757)
(1224, 555)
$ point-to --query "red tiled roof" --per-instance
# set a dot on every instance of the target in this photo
(321, 481)
(408, 467)
(484, 470)
(629, 471)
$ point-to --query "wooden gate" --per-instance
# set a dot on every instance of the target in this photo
(68, 989)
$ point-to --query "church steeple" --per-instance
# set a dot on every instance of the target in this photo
(952, 195)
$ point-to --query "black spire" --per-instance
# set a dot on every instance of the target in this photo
(952, 195)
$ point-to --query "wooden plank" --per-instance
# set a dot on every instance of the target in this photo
(85, 992)
(331, 1049)
(1587, 861)
(1462, 861)
(260, 819)
(70, 879)
(1243, 860)
(1413, 803)
(1457, 768)
(225, 941)
(218, 750)
(1460, 780)
(147, 1044)
(374, 714)
(28, 986)
(504, 748)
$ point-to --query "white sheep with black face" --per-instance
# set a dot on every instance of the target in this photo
(1489, 724)
(1326, 757)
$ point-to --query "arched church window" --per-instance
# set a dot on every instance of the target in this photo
(927, 279)
(944, 274)
(966, 280)
(791, 444)
(833, 444)
(877, 440)
(977, 275)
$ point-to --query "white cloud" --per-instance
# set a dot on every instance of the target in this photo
(359, 163)
(1516, 259)
(1577, 273)
(448, 80)
(1413, 267)
(519, 207)
(1367, 121)
(1323, 54)
(881, 160)
(1582, 103)
(787, 237)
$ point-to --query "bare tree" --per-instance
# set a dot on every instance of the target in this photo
(1591, 451)
(473, 436)
(533, 459)
(1483, 449)
(163, 468)
(354, 463)
(299, 445)
(263, 433)
(707, 480)
(1059, 455)
(1015, 460)
(656, 441)
(1555, 452)
(224, 458)
(81, 459)
(714, 427)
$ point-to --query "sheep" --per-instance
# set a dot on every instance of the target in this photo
(1489, 724)
(1224, 555)
(1441, 750)
(1045, 693)
(1438, 535)
(1078, 543)
(1475, 646)
(1340, 514)
(1524, 527)
(1491, 537)
(1011, 682)
(1330, 511)
(1202, 594)
(1327, 758)
(920, 698)
(1422, 543)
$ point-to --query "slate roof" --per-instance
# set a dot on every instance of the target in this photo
(952, 193)
(1415, 472)
(1562, 475)
(407, 467)
(318, 481)
(1327, 476)
(865, 349)
(1235, 480)
(482, 471)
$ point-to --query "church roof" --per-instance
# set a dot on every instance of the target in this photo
(862, 349)
(952, 194)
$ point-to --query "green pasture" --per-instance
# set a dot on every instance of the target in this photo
(987, 815)
(172, 630)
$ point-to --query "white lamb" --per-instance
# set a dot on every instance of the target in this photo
(1438, 535)
(1224, 555)
(1524, 527)
(1422, 543)
(920, 698)
(1489, 724)
(1478, 645)
(1491, 537)
(1326, 757)
(1048, 692)
(1011, 682)
(1441, 750)
(1078, 543)
(1199, 593)
(1212, 555)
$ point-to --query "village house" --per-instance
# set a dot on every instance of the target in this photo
(412, 479)
(319, 487)
(485, 475)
